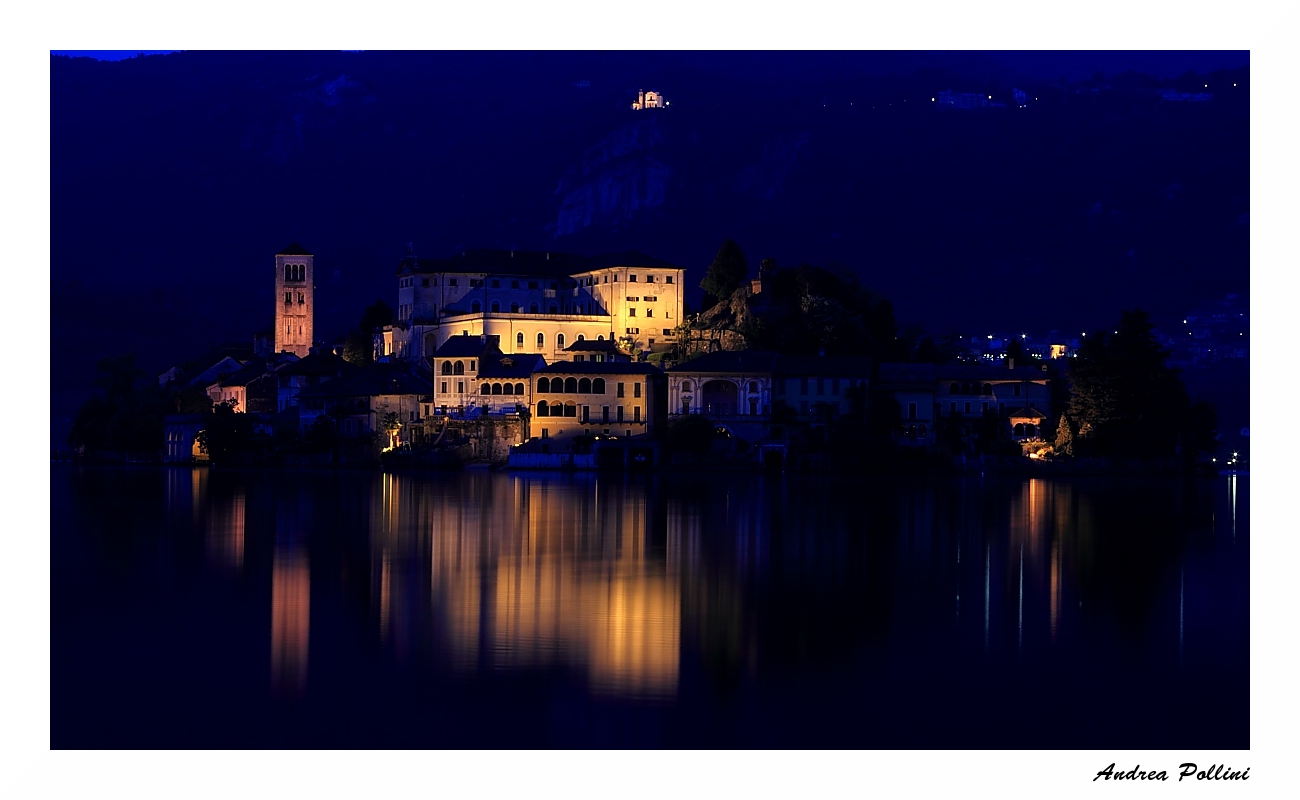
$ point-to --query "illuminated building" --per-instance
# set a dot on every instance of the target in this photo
(926, 394)
(533, 302)
(646, 100)
(294, 301)
(598, 398)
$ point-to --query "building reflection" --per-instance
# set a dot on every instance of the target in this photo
(225, 533)
(290, 619)
(527, 573)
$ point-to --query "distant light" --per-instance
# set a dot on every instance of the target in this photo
(1234, 84)
(990, 97)
(1207, 86)
(990, 337)
(932, 99)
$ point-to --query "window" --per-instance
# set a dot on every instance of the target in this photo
(620, 410)
(570, 410)
(288, 297)
(631, 312)
(475, 283)
(753, 387)
(615, 279)
(631, 279)
(444, 387)
(1016, 390)
(519, 390)
(986, 406)
(486, 389)
(532, 308)
(452, 282)
(471, 365)
(519, 338)
(496, 388)
(541, 408)
(967, 409)
(553, 308)
(686, 386)
(580, 337)
(496, 284)
(544, 385)
(636, 412)
(952, 408)
(649, 312)
(459, 368)
(606, 279)
(424, 282)
(650, 342)
(584, 386)
(668, 279)
(541, 341)
(532, 284)
(559, 340)
(636, 390)
(460, 387)
(571, 385)
(546, 433)
(496, 306)
(598, 386)
(649, 279)
(668, 331)
(619, 393)
(514, 284)
(514, 308)
(579, 359)
(301, 298)
(476, 306)
(911, 410)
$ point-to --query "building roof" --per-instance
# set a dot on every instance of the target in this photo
(250, 372)
(599, 368)
(627, 258)
(517, 365)
(317, 363)
(593, 346)
(1026, 413)
(468, 346)
(988, 372)
(294, 249)
(746, 361)
(372, 380)
(824, 366)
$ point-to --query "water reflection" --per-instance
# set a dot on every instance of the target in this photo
(630, 586)
(290, 620)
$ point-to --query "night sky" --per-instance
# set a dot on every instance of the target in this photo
(176, 177)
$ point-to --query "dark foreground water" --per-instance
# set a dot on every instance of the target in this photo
(253, 609)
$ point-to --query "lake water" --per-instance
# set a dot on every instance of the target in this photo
(197, 608)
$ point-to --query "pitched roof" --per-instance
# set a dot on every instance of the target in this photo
(250, 372)
(593, 346)
(468, 346)
(520, 365)
(1026, 413)
(374, 379)
(824, 366)
(317, 363)
(294, 249)
(599, 368)
(747, 361)
(627, 258)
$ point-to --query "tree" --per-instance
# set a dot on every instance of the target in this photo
(226, 432)
(726, 272)
(1064, 443)
(1124, 398)
(359, 348)
(377, 315)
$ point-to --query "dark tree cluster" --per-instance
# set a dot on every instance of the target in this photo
(359, 346)
(126, 411)
(1125, 401)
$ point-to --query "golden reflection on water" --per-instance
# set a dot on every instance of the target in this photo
(225, 535)
(290, 619)
(526, 574)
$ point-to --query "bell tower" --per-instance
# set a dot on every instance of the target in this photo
(294, 301)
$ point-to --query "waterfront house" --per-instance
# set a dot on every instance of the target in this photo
(575, 398)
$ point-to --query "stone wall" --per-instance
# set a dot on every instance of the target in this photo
(490, 439)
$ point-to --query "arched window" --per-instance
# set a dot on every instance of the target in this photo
(541, 408)
(496, 306)
(570, 409)
(541, 341)
(1020, 429)
(753, 387)
(487, 389)
(553, 308)
(988, 388)
(519, 340)
(519, 390)
(496, 388)
(600, 338)
(476, 306)
(507, 389)
(580, 338)
(686, 386)
(459, 369)
(559, 340)
(543, 385)
(965, 388)
(954, 389)
(598, 386)
(446, 368)
(584, 386)
(571, 385)
(532, 308)
(514, 308)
